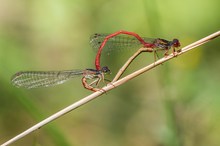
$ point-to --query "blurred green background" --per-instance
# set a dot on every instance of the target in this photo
(175, 104)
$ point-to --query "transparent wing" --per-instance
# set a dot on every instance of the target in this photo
(34, 79)
(117, 43)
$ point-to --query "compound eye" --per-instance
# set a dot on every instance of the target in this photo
(105, 69)
(176, 43)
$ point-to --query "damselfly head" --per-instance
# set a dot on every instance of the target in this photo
(105, 70)
(176, 43)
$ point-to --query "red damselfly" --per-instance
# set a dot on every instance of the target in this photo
(35, 79)
(126, 40)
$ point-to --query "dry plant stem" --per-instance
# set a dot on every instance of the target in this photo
(110, 87)
(129, 61)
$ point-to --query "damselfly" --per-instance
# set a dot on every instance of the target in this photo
(35, 79)
(127, 40)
